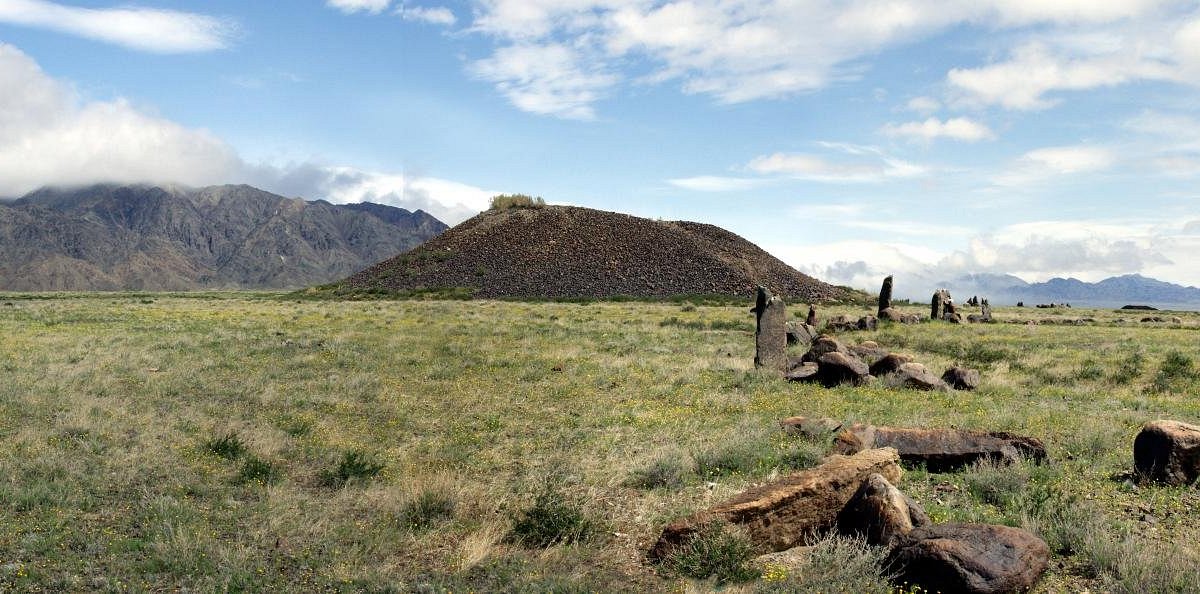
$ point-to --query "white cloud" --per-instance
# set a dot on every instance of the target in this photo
(923, 104)
(429, 15)
(714, 183)
(1050, 162)
(964, 129)
(743, 50)
(857, 164)
(144, 29)
(352, 6)
(50, 136)
(546, 79)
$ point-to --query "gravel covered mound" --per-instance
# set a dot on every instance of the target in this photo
(571, 252)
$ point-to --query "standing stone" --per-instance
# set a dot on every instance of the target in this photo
(935, 306)
(885, 296)
(811, 320)
(770, 338)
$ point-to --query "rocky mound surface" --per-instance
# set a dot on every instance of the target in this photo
(571, 252)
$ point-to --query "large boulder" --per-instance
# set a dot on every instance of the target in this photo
(885, 296)
(824, 344)
(842, 323)
(969, 558)
(868, 351)
(868, 323)
(880, 513)
(888, 364)
(770, 336)
(799, 334)
(917, 377)
(961, 378)
(837, 368)
(941, 450)
(803, 371)
(792, 510)
(1168, 452)
(891, 314)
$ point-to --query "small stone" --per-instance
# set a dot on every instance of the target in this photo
(969, 558)
(880, 513)
(961, 378)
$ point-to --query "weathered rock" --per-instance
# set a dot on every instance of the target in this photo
(891, 314)
(961, 378)
(792, 510)
(842, 323)
(838, 368)
(823, 344)
(1168, 452)
(888, 364)
(911, 319)
(801, 335)
(770, 338)
(868, 352)
(804, 372)
(952, 317)
(812, 427)
(868, 323)
(941, 450)
(811, 320)
(969, 558)
(941, 299)
(885, 296)
(916, 376)
(880, 513)
(1176, 320)
(1153, 319)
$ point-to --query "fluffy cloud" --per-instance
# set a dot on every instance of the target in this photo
(854, 164)
(743, 50)
(49, 135)
(1051, 162)
(145, 29)
(352, 6)
(545, 79)
(430, 15)
(964, 129)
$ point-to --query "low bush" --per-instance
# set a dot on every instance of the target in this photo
(228, 446)
(428, 508)
(715, 551)
(257, 470)
(664, 473)
(506, 201)
(835, 564)
(552, 519)
(354, 465)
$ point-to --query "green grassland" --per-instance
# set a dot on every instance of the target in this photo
(257, 442)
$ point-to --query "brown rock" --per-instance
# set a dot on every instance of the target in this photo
(961, 378)
(804, 372)
(813, 427)
(911, 319)
(969, 558)
(880, 513)
(1168, 452)
(838, 368)
(888, 364)
(868, 323)
(811, 320)
(891, 314)
(917, 377)
(791, 510)
(842, 323)
(868, 352)
(824, 344)
(770, 337)
(941, 450)
(801, 335)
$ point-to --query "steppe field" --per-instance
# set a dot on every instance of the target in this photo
(263, 442)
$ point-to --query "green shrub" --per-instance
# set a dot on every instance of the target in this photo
(996, 483)
(354, 465)
(553, 519)
(664, 473)
(733, 458)
(429, 508)
(1131, 368)
(228, 446)
(715, 551)
(257, 470)
(1176, 367)
(507, 201)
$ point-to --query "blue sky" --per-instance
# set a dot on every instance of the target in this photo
(852, 139)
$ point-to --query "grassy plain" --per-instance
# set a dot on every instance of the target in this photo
(254, 442)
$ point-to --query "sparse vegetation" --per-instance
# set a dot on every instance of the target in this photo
(507, 201)
(716, 551)
(204, 442)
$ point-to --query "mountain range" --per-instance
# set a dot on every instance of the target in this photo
(1110, 292)
(155, 238)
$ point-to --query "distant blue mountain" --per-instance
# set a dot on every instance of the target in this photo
(1110, 292)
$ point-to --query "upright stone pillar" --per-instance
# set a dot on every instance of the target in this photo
(770, 338)
(885, 296)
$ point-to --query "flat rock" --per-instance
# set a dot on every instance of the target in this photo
(917, 377)
(941, 450)
(888, 364)
(801, 335)
(823, 344)
(961, 378)
(838, 368)
(812, 427)
(790, 511)
(803, 372)
(868, 352)
(880, 513)
(969, 558)
(1168, 452)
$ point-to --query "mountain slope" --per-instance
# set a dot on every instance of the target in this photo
(1130, 288)
(154, 238)
(563, 252)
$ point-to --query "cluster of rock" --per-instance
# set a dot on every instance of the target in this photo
(855, 495)
(831, 363)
